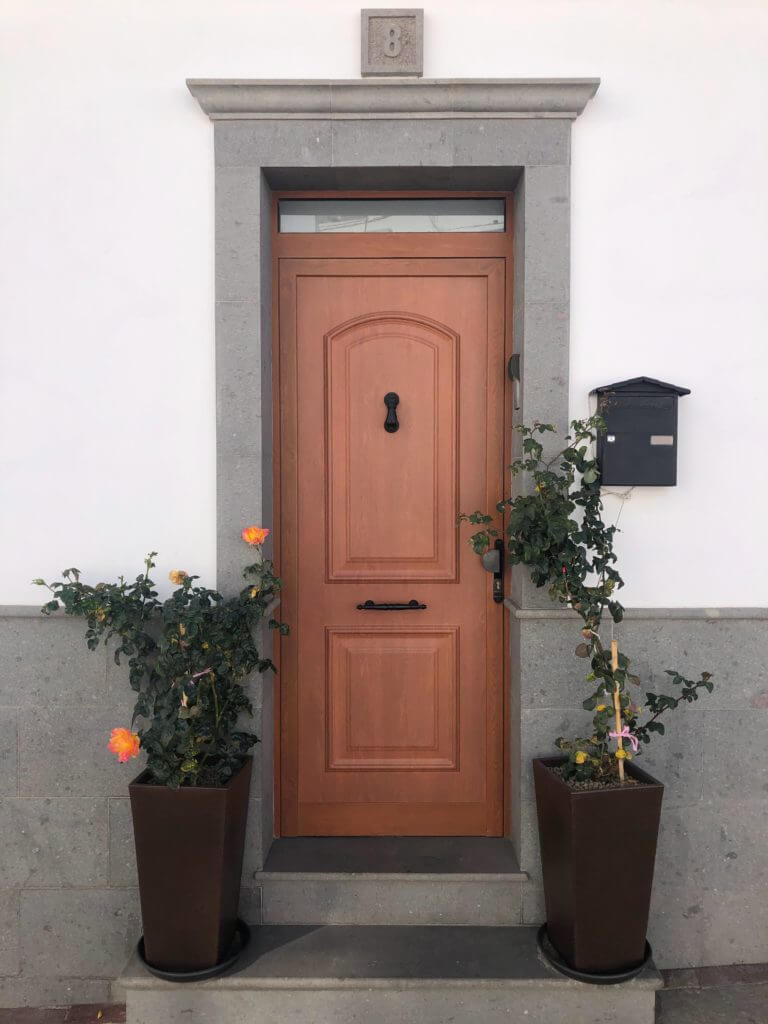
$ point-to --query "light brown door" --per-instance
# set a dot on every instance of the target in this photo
(391, 719)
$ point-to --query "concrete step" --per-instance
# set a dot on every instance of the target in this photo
(391, 881)
(389, 975)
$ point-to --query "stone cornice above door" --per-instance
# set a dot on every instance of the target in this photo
(363, 99)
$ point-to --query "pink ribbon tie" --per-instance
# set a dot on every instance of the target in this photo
(625, 734)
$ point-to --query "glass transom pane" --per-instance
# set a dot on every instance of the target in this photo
(385, 215)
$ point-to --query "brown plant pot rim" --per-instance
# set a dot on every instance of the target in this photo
(142, 779)
(630, 767)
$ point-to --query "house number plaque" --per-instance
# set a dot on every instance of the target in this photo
(392, 42)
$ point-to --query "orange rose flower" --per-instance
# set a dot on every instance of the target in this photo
(177, 576)
(124, 743)
(255, 535)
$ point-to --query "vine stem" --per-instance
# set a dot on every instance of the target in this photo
(617, 706)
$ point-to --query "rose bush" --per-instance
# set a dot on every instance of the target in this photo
(187, 659)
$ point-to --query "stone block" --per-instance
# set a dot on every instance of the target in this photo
(406, 1006)
(392, 42)
(413, 975)
(64, 753)
(677, 757)
(253, 144)
(30, 990)
(512, 142)
(731, 741)
(239, 378)
(252, 858)
(9, 753)
(734, 650)
(734, 927)
(239, 483)
(547, 234)
(122, 851)
(357, 900)
(385, 143)
(238, 250)
(53, 842)
(678, 922)
(10, 962)
(44, 662)
(533, 909)
(80, 933)
(544, 388)
(250, 904)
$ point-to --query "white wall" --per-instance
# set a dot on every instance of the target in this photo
(106, 229)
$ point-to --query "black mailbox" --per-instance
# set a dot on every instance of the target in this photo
(639, 446)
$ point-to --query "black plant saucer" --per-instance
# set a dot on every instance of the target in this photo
(554, 959)
(238, 946)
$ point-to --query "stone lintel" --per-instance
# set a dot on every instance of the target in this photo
(363, 99)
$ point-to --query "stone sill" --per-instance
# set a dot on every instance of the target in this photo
(32, 611)
(667, 614)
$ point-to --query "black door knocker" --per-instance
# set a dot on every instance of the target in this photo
(391, 400)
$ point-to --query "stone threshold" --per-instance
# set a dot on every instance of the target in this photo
(385, 956)
(462, 858)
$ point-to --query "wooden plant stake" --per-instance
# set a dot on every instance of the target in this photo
(617, 706)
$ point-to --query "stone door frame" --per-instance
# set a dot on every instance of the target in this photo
(403, 134)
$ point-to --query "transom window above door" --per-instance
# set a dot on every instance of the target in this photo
(318, 216)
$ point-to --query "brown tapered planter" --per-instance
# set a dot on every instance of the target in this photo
(189, 849)
(598, 849)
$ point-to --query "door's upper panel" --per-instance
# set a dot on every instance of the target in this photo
(392, 496)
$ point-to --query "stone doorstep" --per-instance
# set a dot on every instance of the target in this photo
(391, 881)
(413, 974)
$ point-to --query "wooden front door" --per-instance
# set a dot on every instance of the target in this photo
(391, 720)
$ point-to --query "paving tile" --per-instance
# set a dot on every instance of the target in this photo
(95, 1013)
(33, 1015)
(733, 1004)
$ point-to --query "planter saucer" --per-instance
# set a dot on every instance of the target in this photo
(553, 958)
(238, 946)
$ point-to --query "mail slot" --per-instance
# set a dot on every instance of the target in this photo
(639, 445)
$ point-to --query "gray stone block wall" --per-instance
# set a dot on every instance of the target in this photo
(69, 907)
(710, 902)
(69, 912)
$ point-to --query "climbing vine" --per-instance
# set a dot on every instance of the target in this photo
(557, 531)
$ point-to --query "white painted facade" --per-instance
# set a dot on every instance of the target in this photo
(107, 423)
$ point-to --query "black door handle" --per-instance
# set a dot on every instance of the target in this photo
(391, 606)
(391, 400)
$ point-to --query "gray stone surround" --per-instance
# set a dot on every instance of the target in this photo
(68, 902)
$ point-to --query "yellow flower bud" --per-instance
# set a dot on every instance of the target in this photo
(621, 754)
(580, 757)
(600, 707)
